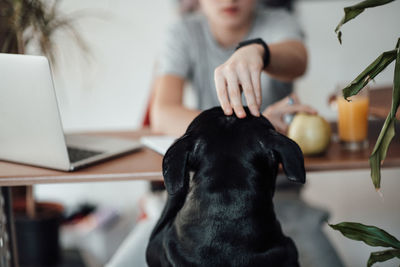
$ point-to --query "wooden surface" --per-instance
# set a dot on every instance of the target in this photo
(146, 164)
(337, 158)
(140, 165)
(380, 102)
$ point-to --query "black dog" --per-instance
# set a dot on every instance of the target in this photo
(220, 177)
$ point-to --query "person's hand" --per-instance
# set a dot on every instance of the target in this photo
(241, 72)
(287, 106)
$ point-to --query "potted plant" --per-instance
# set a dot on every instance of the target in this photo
(37, 231)
(27, 22)
(24, 23)
(372, 235)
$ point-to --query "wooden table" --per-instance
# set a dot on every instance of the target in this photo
(337, 158)
(146, 164)
(140, 165)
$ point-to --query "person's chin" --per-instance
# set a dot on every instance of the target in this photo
(232, 24)
(232, 21)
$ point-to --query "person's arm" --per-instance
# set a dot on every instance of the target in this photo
(288, 60)
(168, 115)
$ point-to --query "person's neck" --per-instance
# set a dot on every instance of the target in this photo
(230, 36)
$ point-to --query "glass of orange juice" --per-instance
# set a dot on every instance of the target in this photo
(353, 120)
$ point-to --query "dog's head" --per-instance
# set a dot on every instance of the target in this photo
(214, 138)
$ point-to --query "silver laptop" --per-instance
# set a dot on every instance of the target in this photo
(30, 126)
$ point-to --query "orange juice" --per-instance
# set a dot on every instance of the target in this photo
(353, 118)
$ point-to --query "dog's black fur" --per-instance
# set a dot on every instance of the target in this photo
(220, 178)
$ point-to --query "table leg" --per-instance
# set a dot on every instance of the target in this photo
(8, 249)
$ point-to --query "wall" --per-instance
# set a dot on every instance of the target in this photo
(332, 64)
(109, 90)
(350, 196)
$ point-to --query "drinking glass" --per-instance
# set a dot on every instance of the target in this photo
(353, 120)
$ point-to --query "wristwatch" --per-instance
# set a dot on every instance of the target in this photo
(260, 41)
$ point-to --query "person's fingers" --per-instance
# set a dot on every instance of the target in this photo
(234, 94)
(275, 117)
(295, 98)
(300, 108)
(281, 126)
(222, 93)
(283, 103)
(245, 81)
(256, 81)
(310, 110)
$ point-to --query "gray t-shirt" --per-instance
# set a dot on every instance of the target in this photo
(190, 51)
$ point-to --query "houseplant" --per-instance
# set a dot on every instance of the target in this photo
(372, 235)
(35, 22)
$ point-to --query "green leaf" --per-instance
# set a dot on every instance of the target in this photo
(369, 73)
(351, 12)
(388, 130)
(379, 153)
(396, 83)
(381, 256)
(370, 235)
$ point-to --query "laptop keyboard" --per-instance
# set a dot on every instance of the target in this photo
(77, 154)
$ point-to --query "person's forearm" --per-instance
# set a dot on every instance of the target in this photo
(171, 120)
(167, 114)
(288, 60)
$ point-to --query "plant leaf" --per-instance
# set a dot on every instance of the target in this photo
(37, 22)
(378, 65)
(379, 153)
(351, 12)
(396, 83)
(381, 256)
(370, 235)
(388, 130)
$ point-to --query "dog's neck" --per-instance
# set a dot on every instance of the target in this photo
(229, 200)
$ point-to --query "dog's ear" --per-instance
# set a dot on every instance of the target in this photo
(290, 156)
(175, 165)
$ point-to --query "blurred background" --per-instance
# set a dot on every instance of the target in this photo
(109, 90)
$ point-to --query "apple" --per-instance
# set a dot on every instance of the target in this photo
(311, 132)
